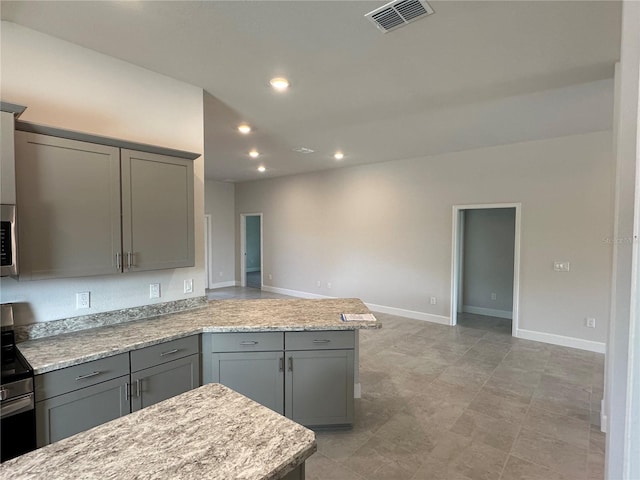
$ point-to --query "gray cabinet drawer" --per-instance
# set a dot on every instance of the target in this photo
(319, 340)
(79, 376)
(164, 352)
(247, 342)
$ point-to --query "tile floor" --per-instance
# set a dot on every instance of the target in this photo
(464, 403)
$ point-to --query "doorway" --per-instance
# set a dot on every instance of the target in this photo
(251, 248)
(486, 262)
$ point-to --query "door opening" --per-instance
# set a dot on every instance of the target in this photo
(486, 263)
(251, 247)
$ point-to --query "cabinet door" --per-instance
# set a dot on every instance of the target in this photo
(257, 375)
(68, 195)
(155, 384)
(7, 159)
(65, 415)
(157, 211)
(319, 387)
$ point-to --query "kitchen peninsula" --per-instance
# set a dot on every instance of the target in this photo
(296, 357)
(211, 432)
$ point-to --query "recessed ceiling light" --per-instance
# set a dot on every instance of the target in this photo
(261, 169)
(244, 128)
(254, 153)
(338, 155)
(279, 83)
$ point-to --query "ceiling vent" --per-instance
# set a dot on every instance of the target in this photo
(396, 14)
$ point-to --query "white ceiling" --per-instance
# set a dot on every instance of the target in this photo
(375, 96)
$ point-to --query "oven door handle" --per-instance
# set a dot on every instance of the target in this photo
(16, 406)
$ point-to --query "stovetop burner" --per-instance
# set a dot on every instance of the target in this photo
(14, 365)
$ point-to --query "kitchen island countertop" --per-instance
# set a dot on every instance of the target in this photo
(60, 351)
(211, 432)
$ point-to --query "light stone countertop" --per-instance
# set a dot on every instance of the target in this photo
(60, 351)
(209, 433)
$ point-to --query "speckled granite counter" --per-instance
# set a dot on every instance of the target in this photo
(211, 432)
(60, 351)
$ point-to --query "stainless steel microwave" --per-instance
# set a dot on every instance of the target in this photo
(9, 241)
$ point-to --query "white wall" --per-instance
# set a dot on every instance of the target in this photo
(219, 203)
(623, 355)
(489, 236)
(67, 86)
(382, 232)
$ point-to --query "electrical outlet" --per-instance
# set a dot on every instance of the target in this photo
(220, 274)
(83, 300)
(270, 277)
(328, 284)
(433, 300)
(494, 296)
(154, 290)
(318, 283)
(561, 266)
(590, 322)
(188, 286)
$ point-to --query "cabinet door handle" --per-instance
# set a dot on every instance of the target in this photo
(248, 343)
(131, 259)
(118, 261)
(127, 394)
(170, 352)
(282, 364)
(322, 341)
(291, 364)
(88, 375)
(138, 387)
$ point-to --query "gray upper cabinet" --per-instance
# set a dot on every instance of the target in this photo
(68, 197)
(7, 155)
(92, 209)
(157, 213)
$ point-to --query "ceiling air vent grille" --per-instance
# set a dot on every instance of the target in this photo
(398, 13)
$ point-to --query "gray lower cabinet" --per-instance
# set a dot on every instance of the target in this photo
(155, 384)
(75, 399)
(319, 387)
(257, 375)
(307, 376)
(74, 412)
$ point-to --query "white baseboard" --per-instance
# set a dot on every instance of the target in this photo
(357, 390)
(230, 283)
(491, 312)
(401, 312)
(603, 418)
(598, 347)
(293, 293)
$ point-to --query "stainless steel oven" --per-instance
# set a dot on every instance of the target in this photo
(17, 412)
(8, 241)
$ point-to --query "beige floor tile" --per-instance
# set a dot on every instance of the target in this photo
(496, 433)
(340, 444)
(320, 467)
(512, 408)
(568, 429)
(380, 456)
(518, 469)
(551, 452)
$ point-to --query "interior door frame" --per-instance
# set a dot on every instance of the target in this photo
(457, 257)
(243, 247)
(208, 257)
